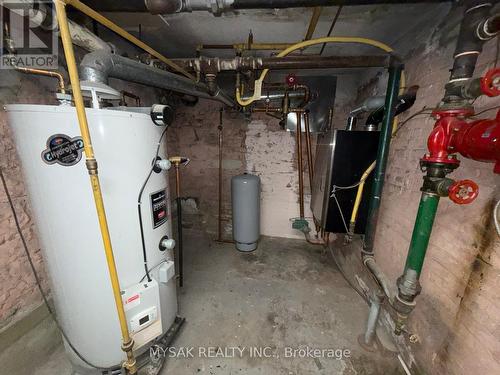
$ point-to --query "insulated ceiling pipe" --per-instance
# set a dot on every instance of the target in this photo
(99, 66)
(219, 6)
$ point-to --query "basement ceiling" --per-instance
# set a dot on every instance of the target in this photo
(402, 26)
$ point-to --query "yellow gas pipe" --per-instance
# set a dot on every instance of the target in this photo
(128, 343)
(307, 43)
(120, 31)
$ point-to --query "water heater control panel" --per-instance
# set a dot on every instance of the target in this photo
(143, 319)
(142, 308)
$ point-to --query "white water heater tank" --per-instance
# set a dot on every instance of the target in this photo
(125, 143)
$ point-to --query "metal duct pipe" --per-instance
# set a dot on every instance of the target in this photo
(99, 66)
(403, 103)
(277, 95)
(219, 6)
(204, 64)
(276, 4)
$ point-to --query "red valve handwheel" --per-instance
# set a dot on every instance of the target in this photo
(291, 79)
(463, 192)
(488, 85)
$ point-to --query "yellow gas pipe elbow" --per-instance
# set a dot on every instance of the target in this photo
(307, 43)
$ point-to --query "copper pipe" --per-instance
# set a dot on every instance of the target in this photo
(309, 150)
(277, 110)
(313, 23)
(307, 93)
(219, 230)
(47, 73)
(309, 158)
(298, 132)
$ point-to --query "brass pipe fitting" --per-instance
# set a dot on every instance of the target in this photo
(176, 160)
(91, 165)
(130, 365)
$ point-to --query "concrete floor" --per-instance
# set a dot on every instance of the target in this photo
(287, 295)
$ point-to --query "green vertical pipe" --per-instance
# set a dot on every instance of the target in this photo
(382, 156)
(422, 232)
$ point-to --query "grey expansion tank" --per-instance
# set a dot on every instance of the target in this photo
(245, 198)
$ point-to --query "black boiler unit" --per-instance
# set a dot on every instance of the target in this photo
(342, 157)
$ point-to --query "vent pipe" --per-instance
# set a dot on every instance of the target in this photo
(99, 66)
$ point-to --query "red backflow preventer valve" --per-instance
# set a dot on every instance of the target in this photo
(453, 133)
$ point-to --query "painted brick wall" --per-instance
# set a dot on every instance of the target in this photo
(194, 134)
(457, 317)
(271, 153)
(258, 146)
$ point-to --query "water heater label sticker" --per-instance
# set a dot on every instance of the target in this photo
(132, 302)
(159, 208)
(63, 150)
